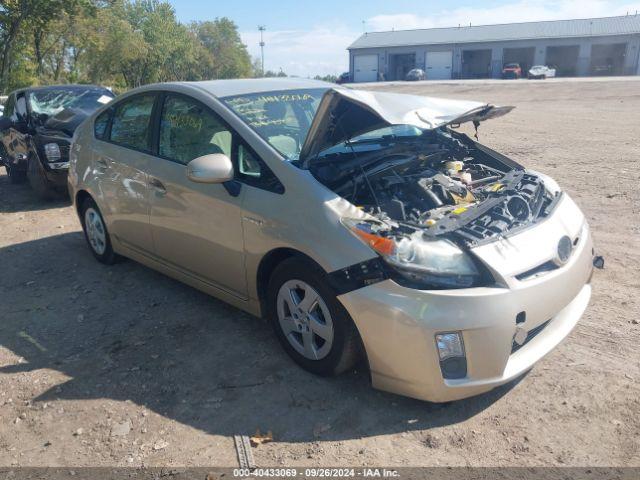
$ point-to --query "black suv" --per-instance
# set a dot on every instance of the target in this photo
(36, 131)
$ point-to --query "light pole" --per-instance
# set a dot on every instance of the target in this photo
(262, 28)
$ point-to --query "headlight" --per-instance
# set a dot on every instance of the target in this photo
(52, 152)
(420, 261)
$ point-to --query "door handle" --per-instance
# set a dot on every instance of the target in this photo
(158, 186)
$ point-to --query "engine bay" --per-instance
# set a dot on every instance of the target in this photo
(440, 182)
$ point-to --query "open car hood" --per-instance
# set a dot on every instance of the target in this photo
(344, 114)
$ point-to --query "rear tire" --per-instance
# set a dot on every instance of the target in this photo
(37, 179)
(96, 234)
(311, 324)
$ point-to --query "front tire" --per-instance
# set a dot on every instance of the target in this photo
(96, 234)
(311, 324)
(37, 179)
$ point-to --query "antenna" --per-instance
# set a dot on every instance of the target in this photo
(262, 28)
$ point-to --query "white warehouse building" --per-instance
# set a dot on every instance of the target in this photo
(584, 47)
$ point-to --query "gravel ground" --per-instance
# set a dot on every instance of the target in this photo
(123, 366)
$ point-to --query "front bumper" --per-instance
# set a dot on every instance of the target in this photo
(58, 177)
(398, 325)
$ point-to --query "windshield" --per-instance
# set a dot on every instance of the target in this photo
(282, 118)
(50, 102)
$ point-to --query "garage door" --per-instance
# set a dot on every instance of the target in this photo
(439, 65)
(365, 68)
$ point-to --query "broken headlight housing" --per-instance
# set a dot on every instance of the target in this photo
(419, 262)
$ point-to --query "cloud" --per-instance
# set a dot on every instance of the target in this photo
(319, 51)
(322, 49)
(522, 11)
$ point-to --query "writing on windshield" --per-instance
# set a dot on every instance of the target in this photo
(282, 118)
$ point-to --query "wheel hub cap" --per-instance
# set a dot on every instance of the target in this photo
(96, 233)
(305, 319)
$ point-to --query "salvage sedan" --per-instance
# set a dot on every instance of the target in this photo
(361, 224)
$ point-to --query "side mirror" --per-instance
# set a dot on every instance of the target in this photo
(214, 168)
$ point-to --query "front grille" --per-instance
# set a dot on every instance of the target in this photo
(531, 334)
(539, 270)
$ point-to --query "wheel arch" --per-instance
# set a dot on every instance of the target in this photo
(269, 263)
(81, 196)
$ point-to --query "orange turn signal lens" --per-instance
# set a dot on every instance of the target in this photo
(383, 246)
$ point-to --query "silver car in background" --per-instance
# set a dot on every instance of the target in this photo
(361, 224)
(541, 71)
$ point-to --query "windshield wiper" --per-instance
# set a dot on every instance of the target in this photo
(384, 139)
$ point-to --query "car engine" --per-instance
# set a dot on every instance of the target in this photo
(441, 183)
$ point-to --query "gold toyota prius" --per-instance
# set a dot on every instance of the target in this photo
(361, 224)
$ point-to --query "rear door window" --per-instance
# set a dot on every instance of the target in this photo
(131, 122)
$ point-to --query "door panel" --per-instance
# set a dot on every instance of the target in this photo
(196, 227)
(120, 166)
(20, 135)
(122, 180)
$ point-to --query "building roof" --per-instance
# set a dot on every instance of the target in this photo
(629, 24)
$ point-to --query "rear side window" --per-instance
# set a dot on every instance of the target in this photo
(101, 124)
(131, 122)
(189, 130)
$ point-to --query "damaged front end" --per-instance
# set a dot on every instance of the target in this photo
(428, 195)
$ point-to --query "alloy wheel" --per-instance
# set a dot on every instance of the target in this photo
(305, 319)
(96, 233)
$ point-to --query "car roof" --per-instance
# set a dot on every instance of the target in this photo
(58, 87)
(227, 88)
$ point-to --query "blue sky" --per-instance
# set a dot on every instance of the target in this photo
(306, 38)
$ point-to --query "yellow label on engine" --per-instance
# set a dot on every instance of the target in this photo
(459, 210)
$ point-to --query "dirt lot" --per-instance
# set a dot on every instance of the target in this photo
(123, 366)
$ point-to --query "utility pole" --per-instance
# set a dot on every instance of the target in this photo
(262, 28)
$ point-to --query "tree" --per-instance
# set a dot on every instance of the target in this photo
(119, 43)
(16, 16)
(222, 40)
(327, 78)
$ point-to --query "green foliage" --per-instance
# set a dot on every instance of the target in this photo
(327, 78)
(229, 55)
(120, 43)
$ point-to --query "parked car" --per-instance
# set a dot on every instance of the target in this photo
(511, 70)
(359, 223)
(541, 71)
(344, 78)
(415, 75)
(37, 128)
